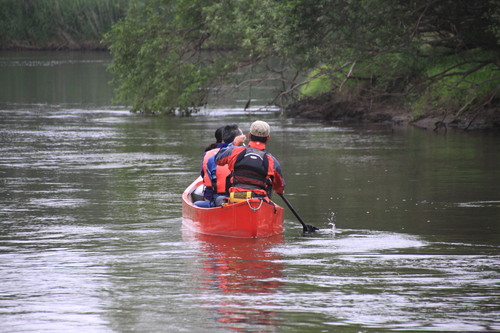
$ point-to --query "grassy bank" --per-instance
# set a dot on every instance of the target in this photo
(454, 85)
(57, 24)
(459, 83)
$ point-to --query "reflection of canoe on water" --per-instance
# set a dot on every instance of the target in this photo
(252, 218)
(235, 265)
(250, 268)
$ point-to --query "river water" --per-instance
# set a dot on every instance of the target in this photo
(91, 233)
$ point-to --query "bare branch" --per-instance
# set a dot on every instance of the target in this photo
(348, 75)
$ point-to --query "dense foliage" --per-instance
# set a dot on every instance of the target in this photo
(57, 24)
(168, 54)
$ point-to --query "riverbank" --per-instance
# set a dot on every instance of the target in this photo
(326, 108)
(66, 43)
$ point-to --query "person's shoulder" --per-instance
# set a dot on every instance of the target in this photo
(275, 160)
(211, 152)
(223, 153)
(240, 148)
(231, 148)
(211, 158)
(270, 155)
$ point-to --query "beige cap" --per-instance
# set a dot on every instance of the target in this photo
(260, 128)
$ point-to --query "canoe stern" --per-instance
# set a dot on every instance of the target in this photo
(253, 218)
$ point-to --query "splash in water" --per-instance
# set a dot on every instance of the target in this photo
(331, 221)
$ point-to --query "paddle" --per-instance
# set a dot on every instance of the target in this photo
(307, 228)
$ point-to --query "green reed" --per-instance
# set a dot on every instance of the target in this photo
(57, 23)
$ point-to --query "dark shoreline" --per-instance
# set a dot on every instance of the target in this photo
(325, 108)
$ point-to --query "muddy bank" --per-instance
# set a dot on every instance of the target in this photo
(326, 108)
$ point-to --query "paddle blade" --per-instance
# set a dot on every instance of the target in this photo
(309, 229)
(305, 227)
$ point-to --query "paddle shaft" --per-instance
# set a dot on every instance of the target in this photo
(294, 211)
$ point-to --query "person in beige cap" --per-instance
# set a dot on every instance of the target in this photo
(252, 168)
(260, 128)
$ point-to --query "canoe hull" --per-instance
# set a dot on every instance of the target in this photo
(248, 219)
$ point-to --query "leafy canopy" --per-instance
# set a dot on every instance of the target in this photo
(168, 54)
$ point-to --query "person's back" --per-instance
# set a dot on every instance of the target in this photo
(208, 178)
(214, 176)
(210, 151)
(252, 168)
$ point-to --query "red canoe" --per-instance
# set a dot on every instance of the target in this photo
(252, 218)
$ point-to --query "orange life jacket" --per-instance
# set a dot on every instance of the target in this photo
(221, 173)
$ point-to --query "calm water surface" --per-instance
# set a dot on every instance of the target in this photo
(91, 236)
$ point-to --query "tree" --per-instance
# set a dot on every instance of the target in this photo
(168, 54)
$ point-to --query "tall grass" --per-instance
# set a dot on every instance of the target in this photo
(57, 23)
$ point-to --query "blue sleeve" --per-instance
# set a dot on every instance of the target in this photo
(211, 167)
(277, 166)
(223, 153)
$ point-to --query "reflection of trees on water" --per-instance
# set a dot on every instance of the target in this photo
(236, 273)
